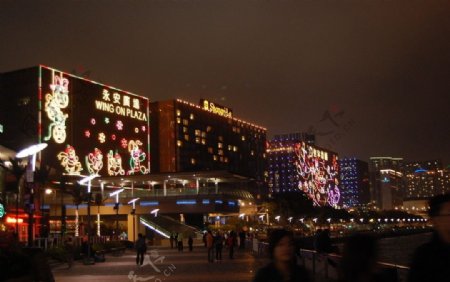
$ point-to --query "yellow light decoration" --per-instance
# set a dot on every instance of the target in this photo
(54, 103)
(94, 161)
(70, 161)
(115, 164)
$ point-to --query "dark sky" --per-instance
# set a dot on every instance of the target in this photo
(371, 78)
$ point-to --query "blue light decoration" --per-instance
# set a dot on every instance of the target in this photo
(231, 203)
(385, 180)
(148, 203)
(218, 201)
(205, 202)
(186, 202)
(420, 170)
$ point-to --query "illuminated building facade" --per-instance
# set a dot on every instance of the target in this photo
(354, 176)
(294, 165)
(386, 182)
(426, 179)
(189, 137)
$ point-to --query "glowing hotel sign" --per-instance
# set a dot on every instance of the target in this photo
(216, 109)
(92, 128)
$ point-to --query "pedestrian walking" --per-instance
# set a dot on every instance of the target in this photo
(431, 261)
(218, 242)
(283, 266)
(210, 246)
(231, 243)
(171, 240)
(141, 248)
(190, 243)
(180, 242)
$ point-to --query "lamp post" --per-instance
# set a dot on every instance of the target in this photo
(133, 212)
(116, 206)
(31, 152)
(83, 181)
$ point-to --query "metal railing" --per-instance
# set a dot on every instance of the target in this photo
(326, 266)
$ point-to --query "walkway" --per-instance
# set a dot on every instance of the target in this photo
(172, 266)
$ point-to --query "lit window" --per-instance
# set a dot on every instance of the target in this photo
(191, 116)
(197, 132)
(235, 149)
(220, 138)
(208, 128)
(203, 134)
(193, 161)
(178, 120)
(220, 152)
(197, 140)
(252, 153)
(185, 122)
(220, 145)
(185, 129)
(243, 138)
(210, 150)
(215, 157)
(203, 141)
(178, 113)
(230, 147)
(179, 143)
(186, 137)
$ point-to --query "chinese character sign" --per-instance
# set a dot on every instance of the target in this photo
(93, 128)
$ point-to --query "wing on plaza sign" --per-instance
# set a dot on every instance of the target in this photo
(92, 128)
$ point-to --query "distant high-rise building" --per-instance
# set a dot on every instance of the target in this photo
(294, 165)
(354, 175)
(426, 179)
(309, 139)
(386, 181)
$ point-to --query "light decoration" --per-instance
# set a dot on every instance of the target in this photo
(14, 220)
(94, 161)
(93, 121)
(70, 161)
(55, 101)
(102, 137)
(113, 137)
(107, 120)
(137, 156)
(124, 143)
(2, 211)
(277, 218)
(136, 130)
(317, 177)
(119, 125)
(143, 128)
(115, 164)
(98, 224)
(87, 133)
(77, 225)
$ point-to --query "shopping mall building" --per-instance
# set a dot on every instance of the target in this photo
(186, 164)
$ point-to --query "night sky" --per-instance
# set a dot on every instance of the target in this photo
(370, 78)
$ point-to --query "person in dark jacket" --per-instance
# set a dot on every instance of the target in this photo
(431, 261)
(141, 248)
(283, 266)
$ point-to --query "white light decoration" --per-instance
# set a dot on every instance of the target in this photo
(98, 225)
(94, 161)
(55, 102)
(77, 225)
(290, 219)
(242, 215)
(116, 193)
(155, 212)
(115, 164)
(277, 218)
(31, 151)
(137, 157)
(70, 161)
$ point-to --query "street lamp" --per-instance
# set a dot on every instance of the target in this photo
(30, 151)
(133, 212)
(116, 206)
(88, 180)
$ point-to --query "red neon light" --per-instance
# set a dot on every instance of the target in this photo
(13, 220)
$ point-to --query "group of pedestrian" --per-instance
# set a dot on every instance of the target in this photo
(430, 263)
(215, 243)
(176, 239)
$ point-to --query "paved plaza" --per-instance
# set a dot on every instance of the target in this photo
(165, 264)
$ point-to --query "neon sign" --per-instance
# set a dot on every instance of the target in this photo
(54, 103)
(70, 161)
(317, 177)
(216, 109)
(121, 104)
(2, 211)
(94, 161)
(136, 157)
(115, 164)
